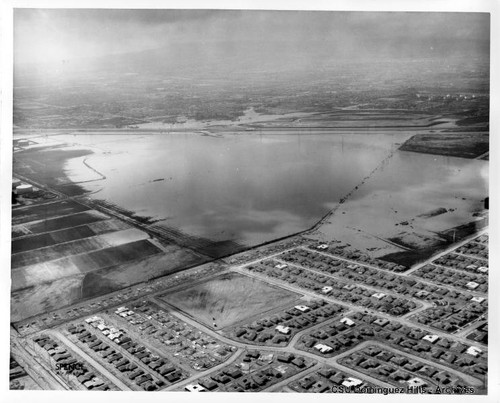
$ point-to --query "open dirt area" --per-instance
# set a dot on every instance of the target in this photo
(228, 298)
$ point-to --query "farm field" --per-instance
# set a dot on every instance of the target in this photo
(76, 247)
(58, 223)
(46, 211)
(36, 241)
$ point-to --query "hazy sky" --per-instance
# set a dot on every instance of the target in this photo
(53, 35)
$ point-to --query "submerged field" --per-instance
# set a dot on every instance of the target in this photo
(229, 298)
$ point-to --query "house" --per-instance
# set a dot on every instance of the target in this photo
(149, 386)
(399, 360)
(428, 371)
(369, 364)
(264, 337)
(378, 295)
(413, 366)
(302, 308)
(208, 384)
(381, 322)
(135, 374)
(173, 377)
(385, 356)
(421, 347)
(442, 378)
(474, 351)
(240, 332)
(323, 348)
(372, 351)
(326, 289)
(221, 378)
(326, 372)
(337, 379)
(307, 383)
(280, 338)
(400, 376)
(349, 382)
(472, 285)
(319, 387)
(465, 362)
(416, 383)
(478, 299)
(84, 378)
(299, 362)
(285, 357)
(348, 322)
(92, 319)
(432, 338)
(166, 370)
(436, 353)
(283, 329)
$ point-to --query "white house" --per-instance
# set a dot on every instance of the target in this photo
(323, 348)
(283, 329)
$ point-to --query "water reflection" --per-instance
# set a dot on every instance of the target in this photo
(254, 188)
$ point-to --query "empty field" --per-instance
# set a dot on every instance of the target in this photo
(46, 211)
(229, 298)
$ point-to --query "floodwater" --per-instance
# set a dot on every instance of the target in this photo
(254, 187)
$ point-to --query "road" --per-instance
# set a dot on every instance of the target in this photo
(447, 250)
(418, 302)
(89, 359)
(193, 378)
(44, 377)
(411, 271)
(47, 380)
(290, 348)
(356, 308)
(469, 379)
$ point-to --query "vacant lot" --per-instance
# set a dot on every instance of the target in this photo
(229, 298)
